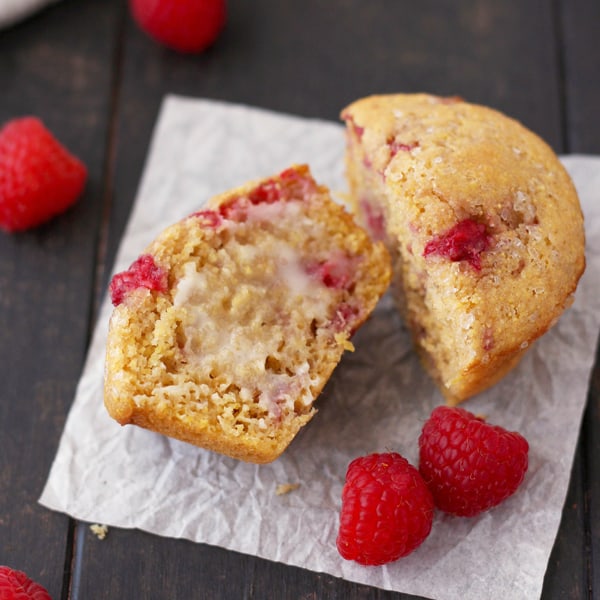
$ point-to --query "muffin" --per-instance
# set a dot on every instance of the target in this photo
(483, 225)
(229, 324)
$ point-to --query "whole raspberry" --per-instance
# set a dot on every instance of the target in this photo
(39, 178)
(387, 510)
(468, 464)
(185, 25)
(15, 585)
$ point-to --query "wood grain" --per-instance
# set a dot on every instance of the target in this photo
(57, 66)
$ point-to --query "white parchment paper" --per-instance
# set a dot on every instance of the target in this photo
(377, 400)
(12, 11)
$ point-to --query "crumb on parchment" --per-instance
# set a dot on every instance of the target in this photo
(286, 488)
(100, 531)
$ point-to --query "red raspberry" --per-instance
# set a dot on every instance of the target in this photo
(396, 146)
(39, 178)
(465, 241)
(375, 219)
(268, 192)
(387, 510)
(468, 464)
(208, 218)
(336, 273)
(143, 272)
(185, 25)
(15, 585)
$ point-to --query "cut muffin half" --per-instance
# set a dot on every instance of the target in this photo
(483, 224)
(228, 326)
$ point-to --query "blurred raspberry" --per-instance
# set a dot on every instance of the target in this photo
(39, 178)
(188, 26)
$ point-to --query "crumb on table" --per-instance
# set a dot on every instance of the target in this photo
(99, 531)
(286, 488)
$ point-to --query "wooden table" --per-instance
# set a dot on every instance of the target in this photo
(97, 82)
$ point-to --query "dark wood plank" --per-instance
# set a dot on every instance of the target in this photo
(573, 570)
(167, 568)
(568, 567)
(592, 497)
(579, 26)
(309, 59)
(56, 65)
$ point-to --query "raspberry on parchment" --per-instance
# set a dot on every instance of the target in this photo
(469, 465)
(387, 510)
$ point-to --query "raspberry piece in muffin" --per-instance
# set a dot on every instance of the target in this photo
(464, 241)
(144, 273)
(263, 290)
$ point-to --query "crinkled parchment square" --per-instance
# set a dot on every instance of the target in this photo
(376, 400)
